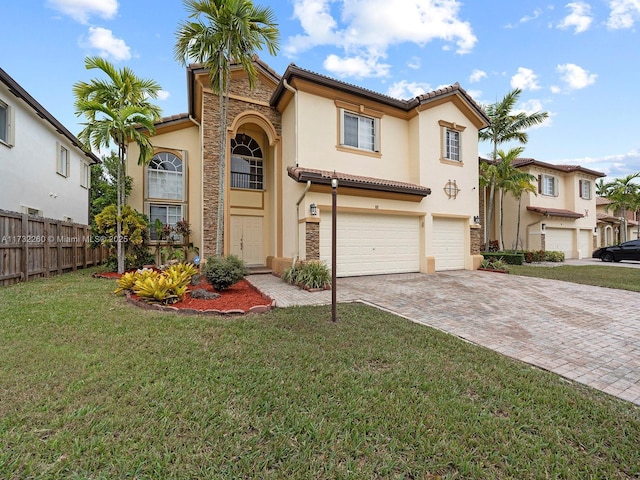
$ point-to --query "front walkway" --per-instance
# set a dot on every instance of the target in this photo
(584, 333)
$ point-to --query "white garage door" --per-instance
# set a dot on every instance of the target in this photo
(370, 244)
(448, 243)
(559, 240)
(585, 243)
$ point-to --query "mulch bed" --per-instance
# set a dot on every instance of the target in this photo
(240, 298)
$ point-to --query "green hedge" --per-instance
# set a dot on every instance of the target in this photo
(507, 257)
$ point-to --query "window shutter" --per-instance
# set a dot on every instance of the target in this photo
(555, 187)
(10, 126)
(376, 135)
(443, 136)
(58, 160)
(539, 183)
(341, 126)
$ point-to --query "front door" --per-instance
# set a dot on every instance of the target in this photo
(246, 239)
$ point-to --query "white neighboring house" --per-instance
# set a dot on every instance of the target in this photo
(43, 169)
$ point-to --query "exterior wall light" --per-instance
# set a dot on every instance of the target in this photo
(476, 219)
(313, 208)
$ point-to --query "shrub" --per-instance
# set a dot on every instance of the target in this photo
(168, 286)
(543, 256)
(552, 256)
(221, 273)
(493, 263)
(510, 258)
(311, 274)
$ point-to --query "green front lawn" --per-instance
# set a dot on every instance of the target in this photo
(91, 387)
(623, 278)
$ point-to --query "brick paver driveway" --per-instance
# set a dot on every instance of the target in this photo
(584, 333)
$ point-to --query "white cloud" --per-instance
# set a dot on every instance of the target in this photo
(580, 17)
(414, 63)
(370, 27)
(82, 10)
(358, 66)
(107, 45)
(527, 18)
(477, 75)
(404, 89)
(525, 79)
(624, 13)
(575, 77)
(163, 95)
(614, 166)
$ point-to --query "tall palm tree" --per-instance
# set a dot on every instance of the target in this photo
(115, 109)
(517, 183)
(222, 33)
(505, 127)
(624, 194)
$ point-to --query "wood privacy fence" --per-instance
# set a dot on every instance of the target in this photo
(33, 247)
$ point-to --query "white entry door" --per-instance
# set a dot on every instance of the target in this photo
(246, 239)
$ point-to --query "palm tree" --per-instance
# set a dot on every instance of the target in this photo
(223, 33)
(624, 195)
(505, 127)
(115, 110)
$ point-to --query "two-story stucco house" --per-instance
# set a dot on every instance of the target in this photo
(611, 225)
(407, 173)
(43, 169)
(560, 216)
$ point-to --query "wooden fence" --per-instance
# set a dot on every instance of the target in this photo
(33, 247)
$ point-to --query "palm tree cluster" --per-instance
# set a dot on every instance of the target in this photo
(624, 196)
(500, 174)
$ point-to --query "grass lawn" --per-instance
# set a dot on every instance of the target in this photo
(91, 387)
(622, 278)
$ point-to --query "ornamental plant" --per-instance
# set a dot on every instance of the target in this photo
(221, 273)
(167, 286)
(311, 274)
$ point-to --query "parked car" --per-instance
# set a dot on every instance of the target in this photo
(614, 253)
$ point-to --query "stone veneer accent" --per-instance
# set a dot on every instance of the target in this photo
(313, 240)
(476, 240)
(210, 147)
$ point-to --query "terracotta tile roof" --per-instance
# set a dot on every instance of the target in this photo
(554, 212)
(172, 118)
(602, 201)
(323, 177)
(522, 162)
(406, 105)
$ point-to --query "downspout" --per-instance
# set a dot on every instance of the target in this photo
(295, 156)
(306, 189)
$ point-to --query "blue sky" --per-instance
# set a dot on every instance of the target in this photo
(579, 60)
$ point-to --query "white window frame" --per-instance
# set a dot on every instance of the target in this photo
(585, 189)
(547, 181)
(450, 133)
(7, 137)
(85, 175)
(166, 221)
(180, 203)
(62, 160)
(374, 145)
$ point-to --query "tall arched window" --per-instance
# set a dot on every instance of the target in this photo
(166, 191)
(246, 163)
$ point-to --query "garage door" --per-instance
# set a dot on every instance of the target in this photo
(559, 240)
(448, 243)
(369, 244)
(585, 243)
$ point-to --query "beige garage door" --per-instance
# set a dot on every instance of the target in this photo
(371, 244)
(559, 240)
(449, 243)
(585, 243)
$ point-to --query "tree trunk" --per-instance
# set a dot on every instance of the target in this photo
(518, 224)
(119, 246)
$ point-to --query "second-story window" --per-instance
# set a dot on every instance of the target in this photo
(452, 145)
(585, 189)
(62, 160)
(548, 185)
(166, 192)
(246, 163)
(359, 131)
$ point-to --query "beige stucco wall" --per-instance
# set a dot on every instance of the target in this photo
(185, 139)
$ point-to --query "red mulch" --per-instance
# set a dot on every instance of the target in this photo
(240, 296)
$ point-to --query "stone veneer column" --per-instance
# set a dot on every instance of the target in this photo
(476, 240)
(312, 240)
(210, 172)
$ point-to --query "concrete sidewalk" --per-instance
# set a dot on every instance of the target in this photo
(584, 333)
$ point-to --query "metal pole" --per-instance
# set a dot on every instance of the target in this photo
(334, 208)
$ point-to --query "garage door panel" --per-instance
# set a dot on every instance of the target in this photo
(449, 243)
(559, 240)
(371, 244)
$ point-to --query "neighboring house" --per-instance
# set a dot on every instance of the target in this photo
(407, 173)
(561, 216)
(610, 224)
(43, 169)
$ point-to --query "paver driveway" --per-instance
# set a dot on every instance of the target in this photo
(584, 333)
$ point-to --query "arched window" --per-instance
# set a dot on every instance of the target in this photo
(165, 195)
(246, 163)
(165, 177)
